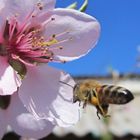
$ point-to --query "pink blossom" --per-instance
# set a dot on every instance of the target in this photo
(33, 33)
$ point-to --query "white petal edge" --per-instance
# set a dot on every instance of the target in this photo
(9, 79)
(24, 123)
(46, 97)
(81, 30)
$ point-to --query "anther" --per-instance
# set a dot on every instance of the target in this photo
(41, 38)
(16, 15)
(33, 15)
(51, 59)
(48, 21)
(40, 5)
(52, 18)
(61, 41)
(60, 47)
(63, 61)
(54, 35)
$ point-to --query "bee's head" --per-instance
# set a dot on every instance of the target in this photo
(75, 91)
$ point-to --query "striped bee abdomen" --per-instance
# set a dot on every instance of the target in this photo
(114, 95)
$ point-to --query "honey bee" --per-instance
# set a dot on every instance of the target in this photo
(94, 93)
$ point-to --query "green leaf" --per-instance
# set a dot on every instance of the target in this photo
(84, 6)
(19, 67)
(72, 6)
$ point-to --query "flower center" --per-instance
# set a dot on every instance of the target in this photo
(24, 44)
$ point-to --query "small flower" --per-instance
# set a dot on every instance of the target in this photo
(33, 33)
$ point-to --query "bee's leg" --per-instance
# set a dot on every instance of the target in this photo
(98, 115)
(85, 103)
(98, 106)
(105, 107)
(100, 110)
(87, 98)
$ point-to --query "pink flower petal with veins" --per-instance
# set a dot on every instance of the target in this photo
(46, 97)
(76, 32)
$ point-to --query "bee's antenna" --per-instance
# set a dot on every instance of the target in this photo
(66, 84)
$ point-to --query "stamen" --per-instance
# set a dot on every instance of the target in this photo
(62, 41)
(60, 34)
(26, 63)
(57, 60)
(52, 19)
(12, 29)
(52, 41)
(26, 22)
(26, 44)
(33, 15)
(16, 15)
(40, 5)
(56, 48)
(19, 38)
(21, 60)
(6, 30)
(47, 22)
(49, 43)
(63, 61)
(60, 47)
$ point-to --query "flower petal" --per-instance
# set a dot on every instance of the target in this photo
(23, 8)
(76, 32)
(1, 5)
(9, 79)
(24, 123)
(46, 97)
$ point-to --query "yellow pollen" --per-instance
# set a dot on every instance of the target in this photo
(94, 101)
(50, 42)
(40, 42)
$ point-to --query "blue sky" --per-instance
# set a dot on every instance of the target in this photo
(120, 37)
